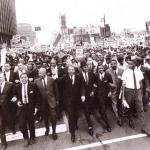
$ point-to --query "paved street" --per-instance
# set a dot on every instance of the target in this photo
(121, 138)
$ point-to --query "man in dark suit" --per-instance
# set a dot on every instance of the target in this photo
(6, 94)
(8, 74)
(19, 72)
(103, 81)
(27, 95)
(71, 96)
(49, 97)
(9, 77)
(108, 62)
(87, 93)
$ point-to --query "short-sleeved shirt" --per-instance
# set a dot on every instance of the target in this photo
(128, 78)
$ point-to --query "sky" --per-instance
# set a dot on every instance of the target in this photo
(119, 14)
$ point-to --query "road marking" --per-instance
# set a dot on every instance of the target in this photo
(65, 119)
(107, 142)
(38, 132)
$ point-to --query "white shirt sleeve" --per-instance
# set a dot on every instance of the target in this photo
(124, 77)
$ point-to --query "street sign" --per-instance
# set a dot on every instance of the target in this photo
(79, 53)
(38, 28)
(148, 26)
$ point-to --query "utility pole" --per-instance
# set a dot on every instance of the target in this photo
(104, 33)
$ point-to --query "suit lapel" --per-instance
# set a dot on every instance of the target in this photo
(11, 76)
(28, 88)
(5, 87)
(40, 83)
(83, 78)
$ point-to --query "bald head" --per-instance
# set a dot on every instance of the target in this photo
(42, 72)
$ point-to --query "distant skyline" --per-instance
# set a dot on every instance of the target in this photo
(119, 14)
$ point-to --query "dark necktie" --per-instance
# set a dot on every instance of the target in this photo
(25, 94)
(86, 78)
(5, 76)
(134, 78)
(71, 78)
(44, 83)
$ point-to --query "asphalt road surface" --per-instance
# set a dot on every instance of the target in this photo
(121, 138)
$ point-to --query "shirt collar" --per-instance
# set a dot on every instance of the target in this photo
(7, 72)
(25, 83)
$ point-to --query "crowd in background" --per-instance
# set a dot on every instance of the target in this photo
(37, 86)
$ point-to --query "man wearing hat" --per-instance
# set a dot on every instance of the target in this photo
(107, 62)
(147, 62)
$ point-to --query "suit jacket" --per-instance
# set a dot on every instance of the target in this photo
(103, 87)
(116, 79)
(5, 98)
(33, 95)
(50, 94)
(11, 77)
(71, 92)
(106, 67)
(16, 76)
(86, 89)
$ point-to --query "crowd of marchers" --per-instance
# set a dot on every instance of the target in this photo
(39, 87)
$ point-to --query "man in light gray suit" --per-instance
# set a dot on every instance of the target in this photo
(116, 74)
(49, 96)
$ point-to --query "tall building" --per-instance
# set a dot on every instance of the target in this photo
(7, 20)
(63, 24)
(26, 33)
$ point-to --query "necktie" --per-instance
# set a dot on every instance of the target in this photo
(71, 77)
(44, 83)
(5, 76)
(134, 78)
(115, 72)
(25, 94)
(86, 78)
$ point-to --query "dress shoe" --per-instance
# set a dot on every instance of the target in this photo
(26, 142)
(3, 147)
(91, 132)
(119, 122)
(144, 131)
(14, 132)
(32, 141)
(108, 128)
(131, 124)
(54, 136)
(73, 138)
(46, 132)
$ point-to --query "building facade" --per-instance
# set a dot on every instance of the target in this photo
(25, 31)
(8, 26)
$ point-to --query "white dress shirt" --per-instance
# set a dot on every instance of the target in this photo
(73, 79)
(101, 76)
(86, 77)
(23, 93)
(128, 79)
(54, 72)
